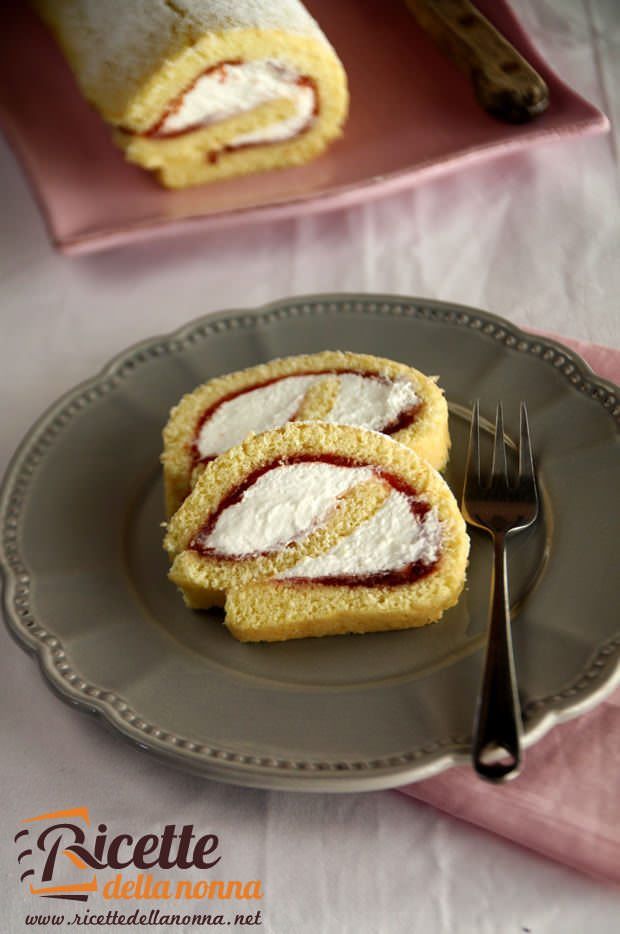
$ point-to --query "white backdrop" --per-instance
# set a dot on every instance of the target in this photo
(534, 237)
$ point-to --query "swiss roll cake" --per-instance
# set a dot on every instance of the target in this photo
(331, 386)
(316, 529)
(200, 90)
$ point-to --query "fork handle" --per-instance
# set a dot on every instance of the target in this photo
(498, 723)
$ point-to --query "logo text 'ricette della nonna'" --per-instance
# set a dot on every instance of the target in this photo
(72, 856)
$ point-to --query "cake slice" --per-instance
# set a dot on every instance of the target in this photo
(355, 389)
(315, 529)
(200, 90)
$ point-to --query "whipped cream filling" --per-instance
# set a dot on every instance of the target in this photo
(390, 540)
(371, 403)
(363, 401)
(283, 505)
(257, 410)
(235, 88)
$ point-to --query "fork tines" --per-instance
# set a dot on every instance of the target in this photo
(499, 467)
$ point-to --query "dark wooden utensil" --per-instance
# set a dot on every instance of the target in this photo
(505, 85)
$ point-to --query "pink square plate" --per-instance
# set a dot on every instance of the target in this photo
(413, 116)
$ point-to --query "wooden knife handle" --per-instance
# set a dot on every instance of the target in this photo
(504, 83)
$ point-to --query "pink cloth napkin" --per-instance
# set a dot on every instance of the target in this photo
(566, 803)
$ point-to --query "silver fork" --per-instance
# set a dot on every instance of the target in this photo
(500, 508)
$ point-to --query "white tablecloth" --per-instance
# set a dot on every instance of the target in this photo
(534, 237)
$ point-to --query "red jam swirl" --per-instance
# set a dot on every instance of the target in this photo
(408, 574)
(157, 132)
(403, 420)
(405, 575)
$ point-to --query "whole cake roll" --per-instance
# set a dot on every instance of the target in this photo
(200, 90)
(316, 529)
(333, 386)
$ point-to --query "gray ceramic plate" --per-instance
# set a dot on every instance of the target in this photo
(85, 575)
